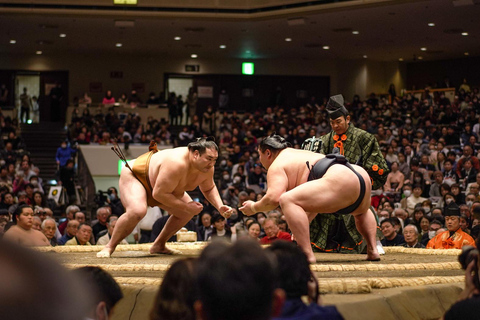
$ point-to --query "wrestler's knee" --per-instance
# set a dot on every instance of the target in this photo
(285, 199)
(136, 214)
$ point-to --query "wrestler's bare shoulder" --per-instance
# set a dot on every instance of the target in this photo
(176, 156)
(290, 156)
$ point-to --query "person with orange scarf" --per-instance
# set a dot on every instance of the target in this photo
(454, 237)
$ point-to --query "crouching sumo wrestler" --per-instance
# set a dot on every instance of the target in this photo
(305, 184)
(161, 178)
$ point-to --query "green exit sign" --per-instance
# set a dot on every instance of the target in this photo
(125, 2)
(248, 68)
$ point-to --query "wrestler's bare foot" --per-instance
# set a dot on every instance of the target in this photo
(105, 253)
(162, 250)
(373, 255)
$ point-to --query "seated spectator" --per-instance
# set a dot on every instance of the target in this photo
(5, 180)
(80, 217)
(37, 223)
(49, 227)
(468, 173)
(101, 223)
(22, 232)
(454, 237)
(108, 99)
(146, 226)
(295, 278)
(219, 228)
(249, 274)
(459, 196)
(391, 237)
(435, 187)
(70, 214)
(175, 298)
(410, 233)
(70, 232)
(104, 291)
(449, 175)
(464, 223)
(435, 225)
(103, 240)
(254, 230)
(82, 237)
(205, 227)
(7, 201)
(414, 199)
(273, 232)
(395, 180)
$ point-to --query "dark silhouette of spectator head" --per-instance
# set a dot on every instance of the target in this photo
(293, 268)
(176, 295)
(237, 282)
(103, 289)
(28, 276)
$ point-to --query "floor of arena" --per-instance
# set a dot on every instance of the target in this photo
(405, 284)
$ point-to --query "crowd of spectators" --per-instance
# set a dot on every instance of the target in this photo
(430, 144)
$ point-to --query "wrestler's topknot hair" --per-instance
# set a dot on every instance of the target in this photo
(202, 144)
(274, 143)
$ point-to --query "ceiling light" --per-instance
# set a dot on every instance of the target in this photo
(177, 38)
(326, 47)
(194, 56)
(365, 56)
(118, 45)
(423, 49)
(355, 32)
(13, 41)
(62, 35)
(400, 59)
(39, 52)
(464, 33)
(420, 58)
(466, 53)
(288, 39)
(431, 24)
(222, 46)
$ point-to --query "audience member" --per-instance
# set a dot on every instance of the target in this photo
(49, 227)
(82, 237)
(70, 232)
(273, 232)
(22, 232)
(295, 278)
(176, 295)
(237, 282)
(391, 237)
(103, 240)
(454, 237)
(103, 290)
(410, 234)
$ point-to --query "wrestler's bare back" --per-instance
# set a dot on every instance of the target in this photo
(176, 159)
(293, 163)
